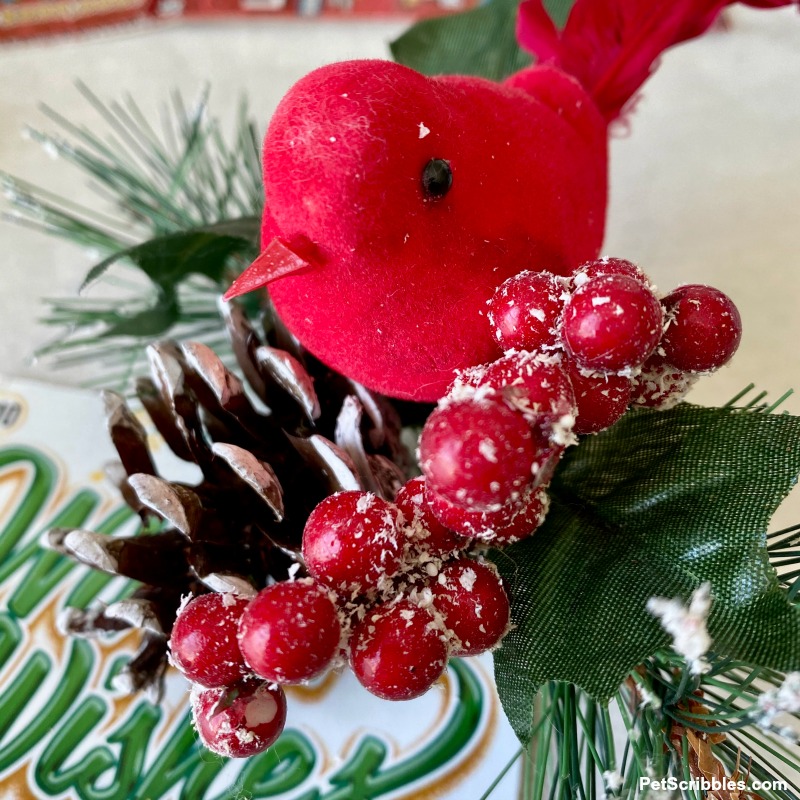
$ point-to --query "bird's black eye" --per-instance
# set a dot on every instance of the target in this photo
(437, 178)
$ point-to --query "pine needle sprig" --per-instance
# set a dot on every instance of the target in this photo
(188, 178)
(572, 753)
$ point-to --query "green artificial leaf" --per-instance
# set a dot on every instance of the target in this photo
(169, 259)
(480, 42)
(148, 323)
(655, 506)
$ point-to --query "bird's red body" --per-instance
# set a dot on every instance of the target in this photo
(396, 298)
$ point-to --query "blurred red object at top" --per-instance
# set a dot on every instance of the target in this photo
(24, 19)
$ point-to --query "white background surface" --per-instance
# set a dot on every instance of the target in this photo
(705, 186)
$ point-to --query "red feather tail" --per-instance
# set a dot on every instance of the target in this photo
(611, 46)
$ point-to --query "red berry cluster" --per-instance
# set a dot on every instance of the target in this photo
(489, 449)
(579, 352)
(407, 592)
(491, 445)
(607, 323)
(395, 589)
(390, 590)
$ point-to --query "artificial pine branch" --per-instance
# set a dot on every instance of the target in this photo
(187, 177)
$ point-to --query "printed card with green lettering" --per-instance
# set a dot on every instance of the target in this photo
(70, 729)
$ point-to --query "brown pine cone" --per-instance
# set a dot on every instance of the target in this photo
(267, 456)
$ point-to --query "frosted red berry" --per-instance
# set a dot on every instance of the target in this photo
(540, 390)
(290, 632)
(703, 328)
(602, 399)
(607, 266)
(427, 533)
(397, 651)
(203, 643)
(612, 323)
(524, 312)
(524, 521)
(470, 523)
(470, 597)
(477, 453)
(352, 540)
(660, 385)
(241, 720)
(508, 524)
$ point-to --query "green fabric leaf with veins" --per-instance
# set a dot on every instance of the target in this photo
(480, 42)
(655, 506)
(167, 260)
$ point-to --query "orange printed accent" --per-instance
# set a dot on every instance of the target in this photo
(470, 760)
(314, 693)
(13, 397)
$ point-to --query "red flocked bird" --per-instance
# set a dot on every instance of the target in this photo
(397, 203)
